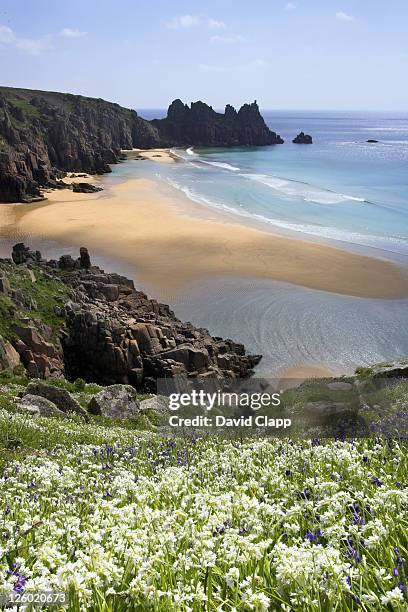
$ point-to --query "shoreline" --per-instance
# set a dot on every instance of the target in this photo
(121, 222)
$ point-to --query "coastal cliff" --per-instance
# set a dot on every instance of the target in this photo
(45, 134)
(200, 125)
(70, 318)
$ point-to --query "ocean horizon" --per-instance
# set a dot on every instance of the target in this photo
(341, 190)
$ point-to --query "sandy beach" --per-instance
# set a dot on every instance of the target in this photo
(137, 223)
(160, 155)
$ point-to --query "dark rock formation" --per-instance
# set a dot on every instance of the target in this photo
(22, 254)
(85, 188)
(372, 140)
(200, 125)
(44, 135)
(111, 333)
(303, 138)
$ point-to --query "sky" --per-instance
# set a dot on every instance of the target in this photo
(300, 54)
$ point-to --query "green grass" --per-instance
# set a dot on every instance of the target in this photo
(26, 107)
(46, 295)
(6, 316)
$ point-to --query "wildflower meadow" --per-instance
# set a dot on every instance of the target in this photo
(125, 520)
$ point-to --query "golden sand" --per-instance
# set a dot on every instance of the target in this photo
(136, 223)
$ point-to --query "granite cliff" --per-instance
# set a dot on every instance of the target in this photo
(70, 318)
(45, 134)
(198, 124)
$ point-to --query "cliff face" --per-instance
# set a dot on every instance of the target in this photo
(200, 125)
(43, 134)
(71, 318)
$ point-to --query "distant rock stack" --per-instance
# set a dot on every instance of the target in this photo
(303, 138)
(200, 125)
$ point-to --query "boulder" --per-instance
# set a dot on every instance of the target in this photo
(86, 187)
(66, 262)
(9, 358)
(116, 401)
(156, 403)
(84, 258)
(303, 138)
(34, 341)
(62, 399)
(22, 254)
(36, 405)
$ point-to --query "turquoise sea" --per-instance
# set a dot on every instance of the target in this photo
(341, 190)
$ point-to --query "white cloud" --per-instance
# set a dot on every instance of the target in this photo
(32, 46)
(290, 6)
(6, 35)
(342, 16)
(72, 33)
(183, 22)
(213, 24)
(228, 39)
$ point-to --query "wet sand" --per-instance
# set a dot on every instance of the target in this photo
(138, 223)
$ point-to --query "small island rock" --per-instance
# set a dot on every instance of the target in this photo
(303, 138)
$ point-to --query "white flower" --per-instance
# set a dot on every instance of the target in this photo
(394, 597)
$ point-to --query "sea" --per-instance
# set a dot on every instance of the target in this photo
(340, 190)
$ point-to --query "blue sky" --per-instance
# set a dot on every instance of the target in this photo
(302, 54)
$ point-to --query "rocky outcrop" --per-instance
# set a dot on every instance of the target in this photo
(111, 333)
(200, 125)
(85, 188)
(303, 138)
(44, 135)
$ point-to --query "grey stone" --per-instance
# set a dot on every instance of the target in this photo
(40, 406)
(62, 399)
(115, 401)
(157, 403)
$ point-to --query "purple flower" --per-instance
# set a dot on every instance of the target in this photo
(21, 581)
(395, 572)
(357, 519)
(402, 587)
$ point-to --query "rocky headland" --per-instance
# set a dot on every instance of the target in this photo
(200, 125)
(44, 135)
(70, 319)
